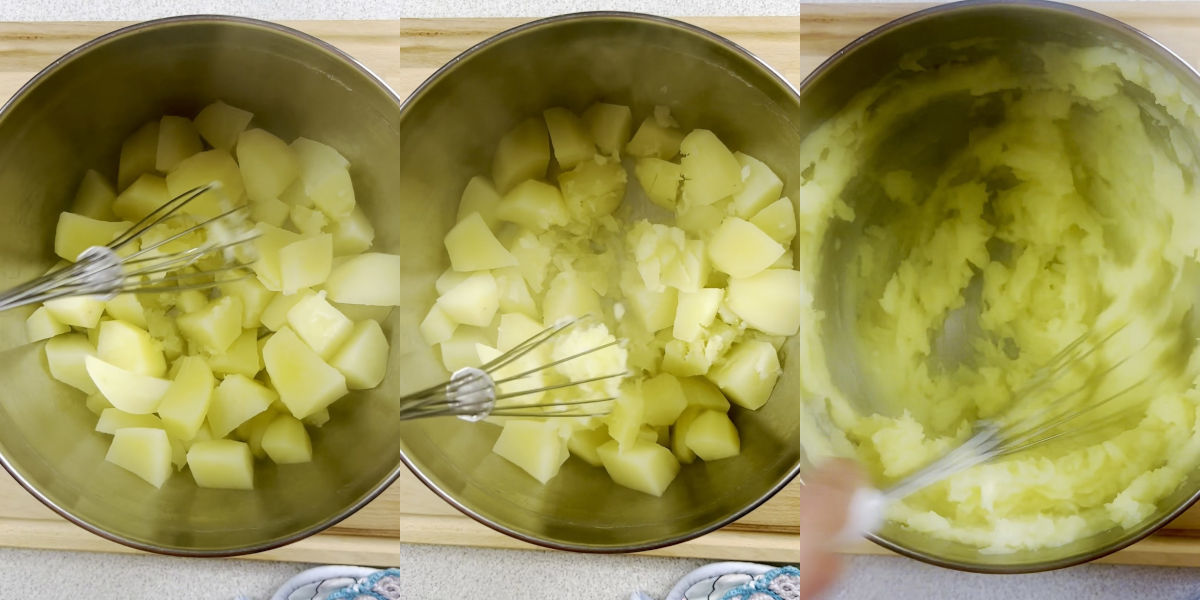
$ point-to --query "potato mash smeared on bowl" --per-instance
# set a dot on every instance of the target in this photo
(985, 212)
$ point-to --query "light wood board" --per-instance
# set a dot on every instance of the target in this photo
(404, 53)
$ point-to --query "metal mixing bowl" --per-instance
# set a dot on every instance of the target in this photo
(858, 67)
(449, 129)
(73, 116)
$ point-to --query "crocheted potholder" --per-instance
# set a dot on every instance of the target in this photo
(778, 584)
(381, 585)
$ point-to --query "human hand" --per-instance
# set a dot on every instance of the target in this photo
(824, 507)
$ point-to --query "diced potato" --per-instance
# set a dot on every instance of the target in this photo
(185, 404)
(77, 311)
(308, 221)
(97, 403)
(177, 140)
(522, 154)
(143, 451)
(532, 259)
(372, 278)
(585, 444)
(318, 418)
(660, 180)
(215, 327)
(76, 233)
(702, 393)
(127, 307)
(741, 249)
(695, 311)
(220, 124)
(654, 140)
(534, 205)
(474, 301)
(236, 400)
(273, 212)
(679, 431)
(700, 220)
(326, 179)
(449, 279)
(363, 358)
(141, 198)
(253, 429)
(655, 310)
(642, 466)
(481, 197)
(515, 328)
(241, 357)
(129, 391)
(772, 301)
(190, 301)
(437, 326)
(352, 234)
(162, 327)
(202, 169)
(41, 325)
(306, 384)
(761, 187)
(569, 297)
(305, 263)
(535, 446)
(224, 464)
(114, 419)
(748, 373)
(514, 292)
(460, 350)
(178, 453)
(663, 400)
(138, 154)
(610, 126)
(255, 298)
(777, 220)
(286, 441)
(319, 324)
(690, 269)
(593, 189)
(94, 198)
(270, 241)
(267, 163)
(627, 416)
(275, 314)
(131, 348)
(685, 359)
(472, 246)
(710, 170)
(712, 436)
(569, 137)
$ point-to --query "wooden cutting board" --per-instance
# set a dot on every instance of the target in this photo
(406, 52)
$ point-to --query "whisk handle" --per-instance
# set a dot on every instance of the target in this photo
(863, 515)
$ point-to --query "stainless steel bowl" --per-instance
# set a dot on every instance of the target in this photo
(857, 68)
(448, 131)
(72, 117)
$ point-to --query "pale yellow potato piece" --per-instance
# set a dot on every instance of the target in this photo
(472, 246)
(654, 310)
(569, 297)
(225, 464)
(747, 375)
(242, 357)
(255, 298)
(95, 196)
(448, 279)
(65, 355)
(655, 140)
(131, 392)
(308, 221)
(610, 126)
(778, 220)
(663, 400)
(267, 163)
(514, 292)
(286, 442)
(190, 301)
(77, 311)
(534, 205)
(321, 326)
(352, 234)
(324, 172)
(177, 140)
(97, 403)
(142, 197)
(569, 137)
(138, 154)
(270, 241)
(710, 170)
(184, 406)
(219, 124)
(437, 326)
(127, 307)
(202, 169)
(660, 180)
(761, 186)
(695, 311)
(76, 233)
(143, 451)
(131, 348)
(515, 328)
(273, 212)
(679, 431)
(712, 436)
(253, 429)
(461, 349)
(113, 419)
(627, 416)
(702, 393)
(41, 325)
(236, 400)
(643, 466)
(481, 197)
(305, 263)
(585, 443)
(372, 278)
(274, 315)
(535, 446)
(523, 153)
(741, 249)
(472, 302)
(216, 326)
(772, 301)
(363, 357)
(593, 189)
(306, 384)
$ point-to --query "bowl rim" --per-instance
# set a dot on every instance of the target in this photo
(479, 47)
(1167, 54)
(50, 70)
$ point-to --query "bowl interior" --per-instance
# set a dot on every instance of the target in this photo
(449, 130)
(74, 117)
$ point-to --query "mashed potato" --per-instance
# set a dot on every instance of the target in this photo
(1015, 200)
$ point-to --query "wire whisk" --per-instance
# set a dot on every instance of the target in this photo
(102, 271)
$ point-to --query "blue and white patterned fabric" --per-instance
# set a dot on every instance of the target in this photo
(735, 581)
(341, 583)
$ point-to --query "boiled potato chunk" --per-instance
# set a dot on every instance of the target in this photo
(97, 403)
(593, 189)
(184, 405)
(660, 180)
(321, 326)
(472, 246)
(778, 220)
(702, 393)
(514, 292)
(479, 197)
(268, 165)
(710, 171)
(748, 373)
(270, 241)
(461, 350)
(570, 138)
(772, 301)
(306, 384)
(286, 441)
(627, 416)
(585, 444)
(273, 212)
(76, 233)
(655, 310)
(654, 140)
(569, 297)
(177, 140)
(141, 198)
(255, 298)
(77, 311)
(679, 431)
(515, 328)
(94, 198)
(220, 124)
(696, 310)
(114, 419)
(241, 357)
(275, 314)
(363, 358)
(610, 125)
(353, 234)
(761, 187)
(535, 446)
(712, 436)
(472, 302)
(202, 169)
(643, 466)
(131, 392)
(143, 451)
(236, 400)
(138, 154)
(663, 400)
(534, 205)
(372, 278)
(216, 326)
(741, 249)
(131, 348)
(127, 307)
(437, 326)
(41, 325)
(305, 263)
(324, 172)
(522, 154)
(224, 464)
(309, 221)
(65, 355)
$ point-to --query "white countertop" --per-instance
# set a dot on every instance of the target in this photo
(442, 573)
